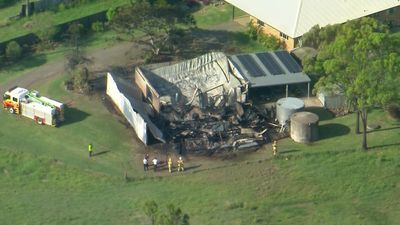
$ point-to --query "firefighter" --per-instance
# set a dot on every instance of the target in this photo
(274, 148)
(90, 149)
(170, 164)
(180, 164)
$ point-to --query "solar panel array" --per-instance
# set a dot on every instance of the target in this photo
(270, 63)
(288, 61)
(251, 66)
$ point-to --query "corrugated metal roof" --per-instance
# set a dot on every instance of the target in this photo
(273, 68)
(204, 73)
(296, 17)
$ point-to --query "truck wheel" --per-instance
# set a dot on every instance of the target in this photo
(11, 110)
(39, 121)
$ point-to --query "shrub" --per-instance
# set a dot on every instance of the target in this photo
(98, 26)
(13, 51)
(252, 31)
(394, 111)
(81, 79)
(61, 7)
(268, 41)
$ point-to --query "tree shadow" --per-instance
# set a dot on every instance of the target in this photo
(332, 130)
(197, 41)
(289, 151)
(73, 115)
(323, 114)
(27, 62)
(383, 129)
(382, 146)
(192, 167)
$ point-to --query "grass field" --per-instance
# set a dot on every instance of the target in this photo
(212, 15)
(17, 28)
(47, 177)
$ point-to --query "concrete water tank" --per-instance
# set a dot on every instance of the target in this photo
(285, 107)
(304, 127)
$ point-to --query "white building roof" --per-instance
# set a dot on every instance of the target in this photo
(296, 17)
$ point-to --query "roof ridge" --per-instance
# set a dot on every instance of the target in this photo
(297, 18)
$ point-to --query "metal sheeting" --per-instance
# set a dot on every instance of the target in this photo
(133, 110)
(208, 73)
(268, 68)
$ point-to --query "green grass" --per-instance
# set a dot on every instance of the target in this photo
(17, 28)
(212, 15)
(9, 11)
(48, 178)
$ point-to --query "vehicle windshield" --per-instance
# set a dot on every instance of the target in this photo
(6, 97)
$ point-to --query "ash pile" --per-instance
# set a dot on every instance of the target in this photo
(219, 129)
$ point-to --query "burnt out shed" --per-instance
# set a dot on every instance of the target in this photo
(268, 69)
(203, 81)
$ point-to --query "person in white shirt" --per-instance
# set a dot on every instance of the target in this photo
(155, 162)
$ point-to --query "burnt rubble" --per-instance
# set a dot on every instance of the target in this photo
(218, 129)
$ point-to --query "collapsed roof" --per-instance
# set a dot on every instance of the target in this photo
(208, 73)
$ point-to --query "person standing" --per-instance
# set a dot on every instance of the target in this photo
(145, 164)
(90, 149)
(180, 164)
(155, 162)
(170, 164)
(275, 147)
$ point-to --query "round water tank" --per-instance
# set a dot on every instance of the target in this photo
(304, 127)
(285, 107)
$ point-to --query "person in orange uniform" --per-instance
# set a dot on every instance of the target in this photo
(180, 164)
(170, 164)
(275, 147)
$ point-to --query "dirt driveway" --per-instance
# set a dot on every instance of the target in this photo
(123, 53)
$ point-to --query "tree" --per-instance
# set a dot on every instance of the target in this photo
(13, 51)
(361, 58)
(75, 55)
(157, 20)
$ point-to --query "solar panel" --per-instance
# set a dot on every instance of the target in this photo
(251, 66)
(288, 61)
(270, 63)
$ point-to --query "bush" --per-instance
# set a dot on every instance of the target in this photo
(252, 31)
(81, 79)
(394, 111)
(268, 41)
(13, 51)
(98, 26)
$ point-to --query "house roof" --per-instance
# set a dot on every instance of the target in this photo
(296, 17)
(269, 69)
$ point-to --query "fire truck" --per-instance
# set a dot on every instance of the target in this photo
(43, 110)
